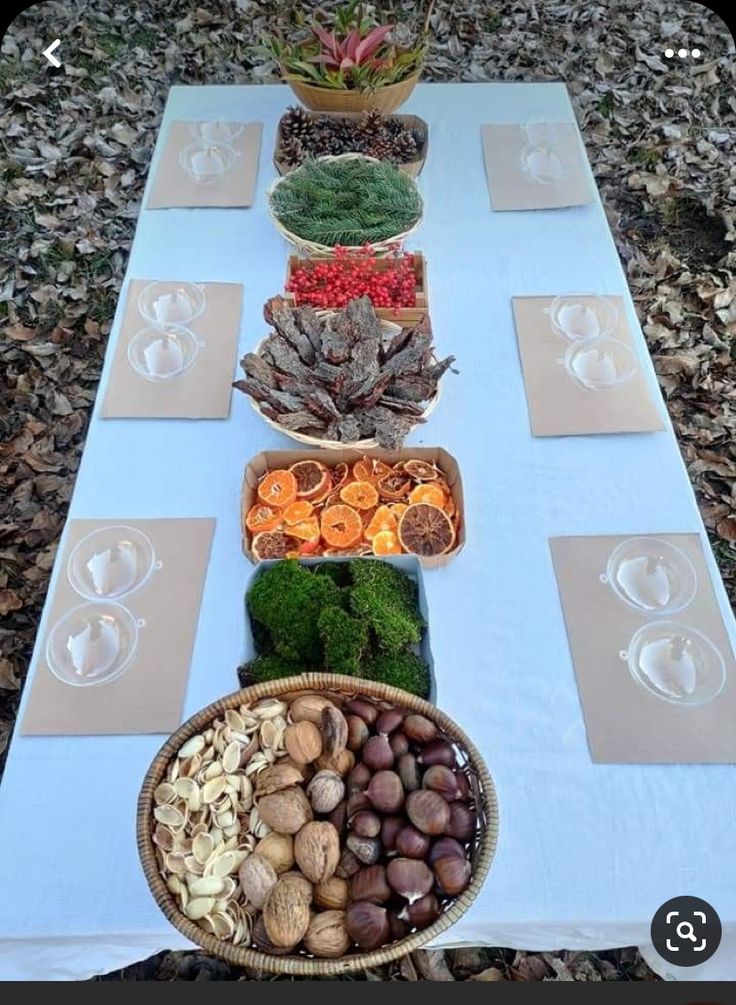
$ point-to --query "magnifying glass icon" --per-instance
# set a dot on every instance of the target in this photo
(685, 930)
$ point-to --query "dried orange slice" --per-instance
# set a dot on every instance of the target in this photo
(340, 474)
(420, 470)
(426, 530)
(426, 493)
(278, 488)
(341, 526)
(360, 495)
(363, 470)
(394, 486)
(297, 511)
(398, 509)
(271, 544)
(309, 547)
(307, 530)
(386, 543)
(318, 500)
(380, 470)
(382, 519)
(262, 517)
(312, 478)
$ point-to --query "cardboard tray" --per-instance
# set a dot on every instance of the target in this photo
(269, 459)
(399, 315)
(409, 564)
(412, 168)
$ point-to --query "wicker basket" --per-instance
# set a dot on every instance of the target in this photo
(482, 852)
(329, 99)
(412, 168)
(314, 250)
(388, 327)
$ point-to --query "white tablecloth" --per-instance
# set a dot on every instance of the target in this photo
(587, 852)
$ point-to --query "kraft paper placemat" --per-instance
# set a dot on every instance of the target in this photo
(148, 695)
(535, 171)
(626, 721)
(204, 390)
(559, 405)
(173, 187)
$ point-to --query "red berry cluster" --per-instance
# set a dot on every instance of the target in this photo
(334, 282)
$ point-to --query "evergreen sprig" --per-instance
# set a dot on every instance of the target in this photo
(347, 201)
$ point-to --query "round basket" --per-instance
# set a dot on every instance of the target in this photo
(482, 852)
(314, 441)
(314, 250)
(329, 99)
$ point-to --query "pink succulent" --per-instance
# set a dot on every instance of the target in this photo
(353, 50)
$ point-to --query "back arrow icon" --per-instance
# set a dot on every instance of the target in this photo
(47, 53)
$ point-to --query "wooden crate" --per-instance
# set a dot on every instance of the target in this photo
(399, 315)
(412, 168)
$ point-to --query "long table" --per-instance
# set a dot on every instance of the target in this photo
(586, 852)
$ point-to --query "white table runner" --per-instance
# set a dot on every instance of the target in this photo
(586, 852)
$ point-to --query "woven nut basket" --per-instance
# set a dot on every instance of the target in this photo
(340, 688)
(314, 250)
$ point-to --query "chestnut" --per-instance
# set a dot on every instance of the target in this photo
(437, 752)
(377, 753)
(348, 865)
(389, 831)
(357, 801)
(419, 728)
(367, 924)
(440, 778)
(397, 926)
(463, 785)
(358, 778)
(338, 817)
(410, 878)
(463, 822)
(367, 850)
(428, 811)
(412, 843)
(386, 792)
(422, 912)
(367, 712)
(366, 824)
(445, 846)
(453, 874)
(388, 721)
(409, 772)
(370, 884)
(357, 732)
(399, 744)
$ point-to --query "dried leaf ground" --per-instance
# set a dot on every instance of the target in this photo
(75, 149)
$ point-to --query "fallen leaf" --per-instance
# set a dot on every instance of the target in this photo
(9, 601)
(18, 333)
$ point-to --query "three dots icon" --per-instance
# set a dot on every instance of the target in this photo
(682, 53)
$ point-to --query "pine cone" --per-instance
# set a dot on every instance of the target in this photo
(382, 149)
(372, 123)
(292, 152)
(405, 148)
(296, 123)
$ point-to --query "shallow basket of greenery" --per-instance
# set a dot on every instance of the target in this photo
(361, 617)
(349, 200)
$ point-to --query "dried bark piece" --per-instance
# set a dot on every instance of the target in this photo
(278, 313)
(255, 366)
(335, 341)
(308, 321)
(322, 404)
(297, 421)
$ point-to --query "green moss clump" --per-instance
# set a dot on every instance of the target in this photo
(266, 668)
(386, 599)
(345, 641)
(288, 599)
(358, 618)
(404, 670)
